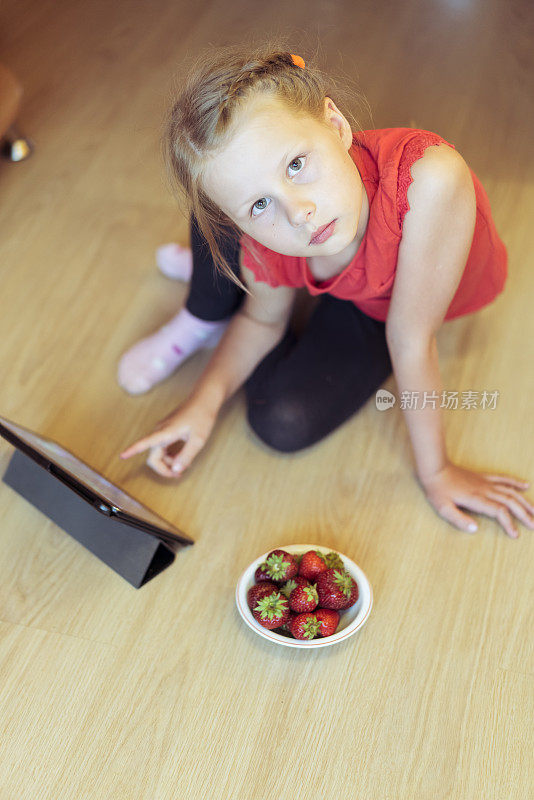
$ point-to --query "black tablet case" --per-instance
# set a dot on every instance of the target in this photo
(134, 554)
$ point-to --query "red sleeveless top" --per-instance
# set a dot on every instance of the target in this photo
(383, 158)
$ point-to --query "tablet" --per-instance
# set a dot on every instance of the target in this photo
(94, 488)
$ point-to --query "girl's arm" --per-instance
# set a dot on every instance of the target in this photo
(437, 235)
(253, 331)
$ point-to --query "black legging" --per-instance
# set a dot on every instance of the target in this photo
(305, 387)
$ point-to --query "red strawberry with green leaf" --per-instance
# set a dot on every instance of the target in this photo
(291, 584)
(272, 611)
(305, 626)
(312, 564)
(336, 589)
(303, 598)
(287, 625)
(259, 590)
(280, 566)
(261, 573)
(329, 620)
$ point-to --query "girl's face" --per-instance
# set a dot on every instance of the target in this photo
(282, 177)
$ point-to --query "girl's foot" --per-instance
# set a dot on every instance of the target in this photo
(153, 359)
(175, 261)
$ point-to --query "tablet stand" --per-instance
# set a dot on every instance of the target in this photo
(135, 555)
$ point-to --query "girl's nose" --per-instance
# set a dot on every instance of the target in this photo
(300, 211)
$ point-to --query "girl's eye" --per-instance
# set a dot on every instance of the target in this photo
(301, 160)
(261, 204)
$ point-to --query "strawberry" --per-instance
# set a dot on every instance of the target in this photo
(305, 626)
(329, 620)
(333, 560)
(259, 590)
(272, 611)
(336, 589)
(303, 598)
(287, 625)
(312, 564)
(261, 573)
(291, 584)
(280, 566)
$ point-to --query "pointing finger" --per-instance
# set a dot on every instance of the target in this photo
(137, 447)
(153, 440)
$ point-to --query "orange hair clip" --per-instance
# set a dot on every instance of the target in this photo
(297, 61)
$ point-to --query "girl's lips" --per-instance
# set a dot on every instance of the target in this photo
(324, 233)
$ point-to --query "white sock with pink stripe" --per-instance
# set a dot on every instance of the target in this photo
(153, 359)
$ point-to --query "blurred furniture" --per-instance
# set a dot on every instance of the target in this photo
(13, 145)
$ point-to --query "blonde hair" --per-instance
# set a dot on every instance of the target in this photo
(201, 121)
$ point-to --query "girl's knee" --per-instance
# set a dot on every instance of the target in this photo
(282, 424)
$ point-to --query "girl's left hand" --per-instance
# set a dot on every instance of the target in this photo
(494, 495)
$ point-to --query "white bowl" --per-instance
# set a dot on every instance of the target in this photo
(351, 620)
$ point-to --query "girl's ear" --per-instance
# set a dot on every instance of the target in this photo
(335, 119)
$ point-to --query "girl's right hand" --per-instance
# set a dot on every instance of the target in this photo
(190, 423)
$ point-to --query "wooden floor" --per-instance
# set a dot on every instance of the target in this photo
(109, 693)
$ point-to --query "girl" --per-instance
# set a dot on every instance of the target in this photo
(389, 228)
